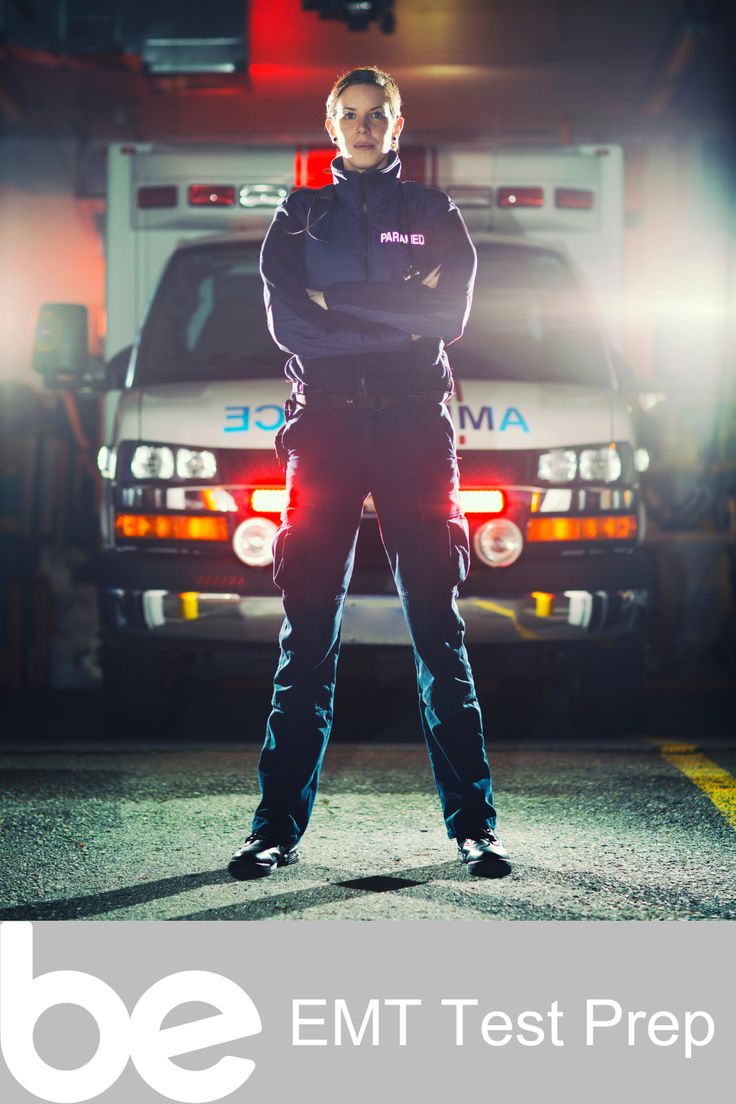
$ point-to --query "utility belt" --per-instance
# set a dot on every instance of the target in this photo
(326, 400)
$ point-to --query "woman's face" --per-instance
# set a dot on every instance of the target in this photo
(364, 127)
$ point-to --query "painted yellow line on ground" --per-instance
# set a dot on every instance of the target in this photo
(715, 782)
(496, 607)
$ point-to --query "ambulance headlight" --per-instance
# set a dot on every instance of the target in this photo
(602, 465)
(195, 464)
(498, 543)
(253, 541)
(558, 466)
(152, 462)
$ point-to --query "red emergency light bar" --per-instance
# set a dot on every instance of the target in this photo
(158, 195)
(312, 167)
(520, 197)
(211, 195)
(577, 199)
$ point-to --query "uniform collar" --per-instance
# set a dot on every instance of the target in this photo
(376, 184)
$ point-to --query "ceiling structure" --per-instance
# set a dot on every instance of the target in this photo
(468, 70)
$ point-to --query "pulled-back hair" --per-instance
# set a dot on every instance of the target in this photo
(368, 75)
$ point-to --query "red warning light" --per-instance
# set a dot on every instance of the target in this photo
(520, 197)
(312, 167)
(211, 195)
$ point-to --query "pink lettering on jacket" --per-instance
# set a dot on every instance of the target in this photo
(403, 239)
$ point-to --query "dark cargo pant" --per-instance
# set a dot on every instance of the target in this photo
(405, 456)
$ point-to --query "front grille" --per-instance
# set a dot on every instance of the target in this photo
(481, 468)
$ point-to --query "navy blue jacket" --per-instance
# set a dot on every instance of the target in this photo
(356, 240)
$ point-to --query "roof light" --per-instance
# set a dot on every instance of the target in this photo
(604, 527)
(578, 199)
(482, 502)
(312, 167)
(158, 195)
(470, 195)
(262, 195)
(269, 500)
(520, 197)
(211, 195)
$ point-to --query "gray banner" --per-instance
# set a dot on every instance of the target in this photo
(559, 1011)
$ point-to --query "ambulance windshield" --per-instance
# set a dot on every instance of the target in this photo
(529, 321)
(208, 321)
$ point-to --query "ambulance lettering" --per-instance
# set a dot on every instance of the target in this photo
(512, 418)
(239, 417)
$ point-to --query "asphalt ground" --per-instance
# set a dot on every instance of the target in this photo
(634, 827)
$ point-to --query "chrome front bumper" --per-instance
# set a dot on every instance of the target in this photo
(202, 618)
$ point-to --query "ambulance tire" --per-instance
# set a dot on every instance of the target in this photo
(608, 690)
(136, 702)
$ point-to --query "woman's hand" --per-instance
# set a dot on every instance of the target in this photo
(317, 297)
(433, 278)
(430, 281)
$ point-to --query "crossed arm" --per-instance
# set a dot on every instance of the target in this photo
(430, 281)
(363, 316)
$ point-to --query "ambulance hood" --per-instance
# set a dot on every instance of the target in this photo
(223, 414)
(487, 414)
(501, 414)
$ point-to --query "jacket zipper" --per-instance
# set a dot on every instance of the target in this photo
(365, 254)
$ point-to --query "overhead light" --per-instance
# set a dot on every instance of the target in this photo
(166, 56)
(358, 14)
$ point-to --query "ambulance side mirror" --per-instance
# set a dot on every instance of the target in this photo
(60, 352)
(116, 369)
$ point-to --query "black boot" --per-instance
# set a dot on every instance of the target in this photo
(259, 857)
(484, 855)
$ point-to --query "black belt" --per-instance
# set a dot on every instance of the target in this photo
(326, 400)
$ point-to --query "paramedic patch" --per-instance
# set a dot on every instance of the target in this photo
(403, 239)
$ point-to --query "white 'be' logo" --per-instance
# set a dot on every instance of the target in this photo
(138, 1036)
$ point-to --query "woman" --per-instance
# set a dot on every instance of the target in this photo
(366, 281)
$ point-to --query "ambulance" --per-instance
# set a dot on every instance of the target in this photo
(193, 395)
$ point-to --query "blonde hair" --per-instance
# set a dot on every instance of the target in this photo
(368, 75)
